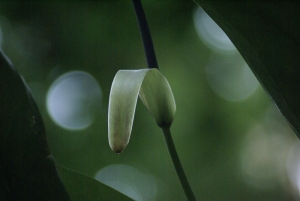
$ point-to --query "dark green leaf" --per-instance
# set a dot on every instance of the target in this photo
(83, 188)
(27, 169)
(267, 36)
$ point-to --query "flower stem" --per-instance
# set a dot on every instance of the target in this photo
(176, 162)
(145, 33)
(152, 63)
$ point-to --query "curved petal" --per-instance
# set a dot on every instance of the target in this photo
(154, 91)
(122, 102)
(157, 96)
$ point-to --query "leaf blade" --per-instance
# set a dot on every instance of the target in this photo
(81, 187)
(269, 45)
(26, 162)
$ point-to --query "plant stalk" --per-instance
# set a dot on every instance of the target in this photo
(152, 63)
(178, 167)
(145, 33)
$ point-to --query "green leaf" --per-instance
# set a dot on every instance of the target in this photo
(27, 169)
(81, 187)
(155, 93)
(267, 36)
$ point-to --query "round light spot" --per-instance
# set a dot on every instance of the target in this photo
(129, 181)
(293, 165)
(230, 77)
(210, 33)
(257, 161)
(1, 36)
(265, 151)
(73, 100)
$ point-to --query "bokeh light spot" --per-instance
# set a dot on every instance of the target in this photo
(73, 100)
(265, 151)
(210, 33)
(1, 36)
(257, 161)
(293, 165)
(129, 181)
(230, 77)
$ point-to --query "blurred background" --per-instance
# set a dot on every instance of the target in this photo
(232, 141)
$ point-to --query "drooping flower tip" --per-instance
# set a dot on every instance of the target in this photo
(117, 149)
(117, 146)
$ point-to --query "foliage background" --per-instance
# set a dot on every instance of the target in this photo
(230, 150)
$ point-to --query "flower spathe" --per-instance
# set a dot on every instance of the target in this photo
(156, 94)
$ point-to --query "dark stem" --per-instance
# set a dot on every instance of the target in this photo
(176, 162)
(152, 63)
(145, 32)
